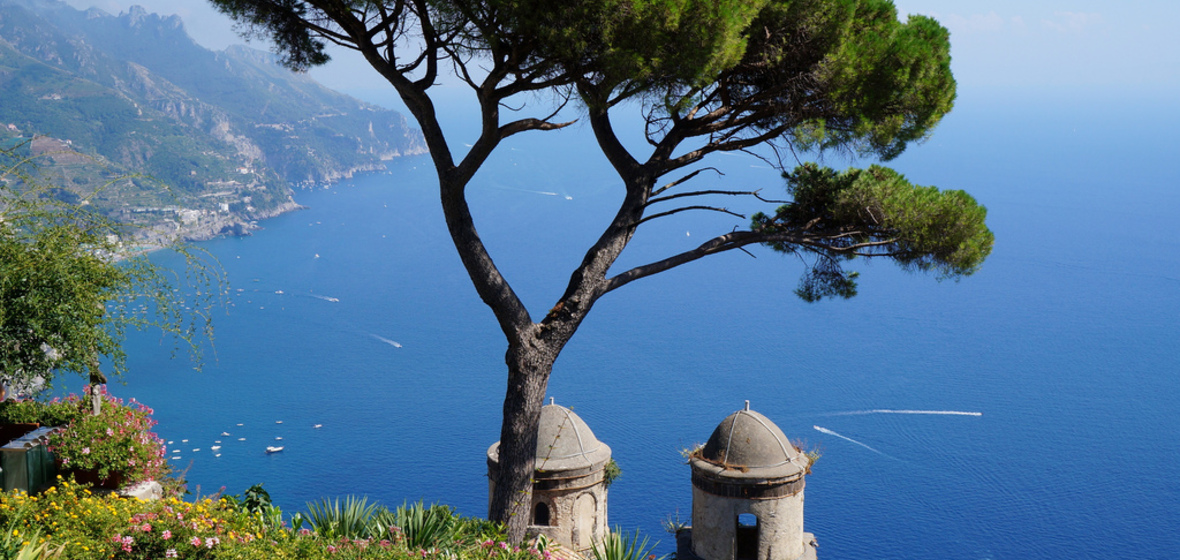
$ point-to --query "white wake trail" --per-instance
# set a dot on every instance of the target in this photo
(392, 343)
(824, 430)
(892, 411)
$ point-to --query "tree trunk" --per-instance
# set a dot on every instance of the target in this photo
(529, 367)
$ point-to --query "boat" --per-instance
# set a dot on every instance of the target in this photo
(222, 433)
(318, 426)
(215, 447)
(273, 449)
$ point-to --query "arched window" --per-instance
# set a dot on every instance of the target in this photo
(541, 515)
(746, 537)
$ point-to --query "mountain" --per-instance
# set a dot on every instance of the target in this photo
(129, 114)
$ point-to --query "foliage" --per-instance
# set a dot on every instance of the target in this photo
(618, 545)
(342, 519)
(673, 524)
(66, 298)
(89, 526)
(611, 472)
(92, 526)
(118, 441)
(425, 527)
(813, 453)
(874, 212)
(55, 412)
(256, 501)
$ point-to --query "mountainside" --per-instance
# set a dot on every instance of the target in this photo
(129, 114)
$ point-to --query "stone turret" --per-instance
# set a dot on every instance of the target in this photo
(569, 488)
(747, 494)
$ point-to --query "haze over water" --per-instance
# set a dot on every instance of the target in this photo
(1026, 412)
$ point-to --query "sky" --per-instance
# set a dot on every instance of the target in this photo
(1051, 47)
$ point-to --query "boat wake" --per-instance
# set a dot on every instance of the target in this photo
(892, 411)
(824, 430)
(392, 343)
(325, 298)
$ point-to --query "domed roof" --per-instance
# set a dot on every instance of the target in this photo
(564, 442)
(748, 445)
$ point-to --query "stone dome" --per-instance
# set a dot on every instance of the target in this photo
(564, 442)
(747, 445)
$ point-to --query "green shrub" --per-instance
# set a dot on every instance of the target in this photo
(57, 412)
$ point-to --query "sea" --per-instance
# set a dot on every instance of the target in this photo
(1030, 411)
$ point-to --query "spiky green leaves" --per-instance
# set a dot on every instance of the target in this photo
(874, 212)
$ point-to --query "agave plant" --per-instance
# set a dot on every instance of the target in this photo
(620, 546)
(350, 518)
(425, 527)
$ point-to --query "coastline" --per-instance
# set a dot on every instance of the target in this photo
(207, 227)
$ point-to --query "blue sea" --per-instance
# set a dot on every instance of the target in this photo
(356, 315)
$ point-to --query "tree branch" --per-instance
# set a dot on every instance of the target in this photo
(683, 208)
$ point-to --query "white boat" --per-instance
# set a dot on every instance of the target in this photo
(318, 426)
(273, 449)
(226, 434)
(215, 447)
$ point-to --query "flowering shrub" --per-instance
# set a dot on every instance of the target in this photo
(93, 527)
(118, 442)
(88, 526)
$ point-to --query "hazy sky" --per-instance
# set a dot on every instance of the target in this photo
(1130, 47)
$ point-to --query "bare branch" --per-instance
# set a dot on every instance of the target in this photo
(702, 193)
(683, 208)
(685, 179)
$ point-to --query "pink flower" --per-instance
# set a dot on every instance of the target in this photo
(167, 534)
(305, 531)
(195, 541)
(170, 553)
(211, 542)
(332, 549)
(85, 450)
(146, 527)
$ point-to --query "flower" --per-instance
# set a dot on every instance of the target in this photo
(118, 443)
(167, 534)
(170, 553)
(196, 541)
